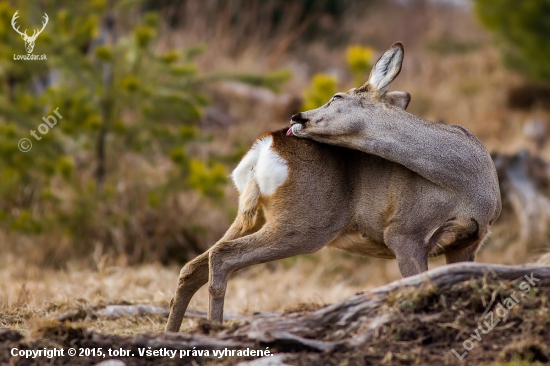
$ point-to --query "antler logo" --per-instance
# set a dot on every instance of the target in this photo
(29, 40)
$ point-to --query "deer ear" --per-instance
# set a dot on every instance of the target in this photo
(385, 70)
(398, 98)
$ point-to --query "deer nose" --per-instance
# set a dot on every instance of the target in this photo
(298, 118)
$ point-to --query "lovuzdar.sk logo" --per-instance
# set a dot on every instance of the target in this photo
(29, 40)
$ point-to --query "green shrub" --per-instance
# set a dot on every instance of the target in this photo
(126, 110)
(522, 30)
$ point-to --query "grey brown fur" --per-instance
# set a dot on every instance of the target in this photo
(397, 186)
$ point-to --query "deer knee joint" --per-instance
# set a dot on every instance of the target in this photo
(185, 275)
(218, 256)
(216, 290)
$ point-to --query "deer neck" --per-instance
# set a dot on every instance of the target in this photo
(446, 155)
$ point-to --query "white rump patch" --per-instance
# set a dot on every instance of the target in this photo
(271, 170)
(245, 170)
(262, 164)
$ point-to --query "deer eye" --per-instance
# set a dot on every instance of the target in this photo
(335, 98)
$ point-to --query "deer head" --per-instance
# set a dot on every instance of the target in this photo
(29, 40)
(348, 111)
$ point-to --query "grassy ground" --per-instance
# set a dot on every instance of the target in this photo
(408, 326)
(29, 294)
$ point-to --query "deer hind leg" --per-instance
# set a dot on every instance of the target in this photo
(411, 256)
(192, 277)
(270, 243)
(466, 251)
(194, 274)
(467, 254)
(458, 239)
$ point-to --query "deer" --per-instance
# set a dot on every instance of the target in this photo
(29, 40)
(360, 174)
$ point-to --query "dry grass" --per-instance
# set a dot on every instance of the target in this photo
(405, 326)
(30, 293)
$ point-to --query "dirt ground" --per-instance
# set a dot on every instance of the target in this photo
(411, 326)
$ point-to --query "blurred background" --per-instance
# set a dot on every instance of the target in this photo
(160, 99)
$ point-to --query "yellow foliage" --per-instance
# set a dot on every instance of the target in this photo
(144, 35)
(322, 88)
(104, 53)
(359, 58)
(360, 61)
(178, 155)
(65, 166)
(207, 180)
(130, 83)
(170, 57)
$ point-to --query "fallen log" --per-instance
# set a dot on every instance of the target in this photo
(524, 180)
(113, 312)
